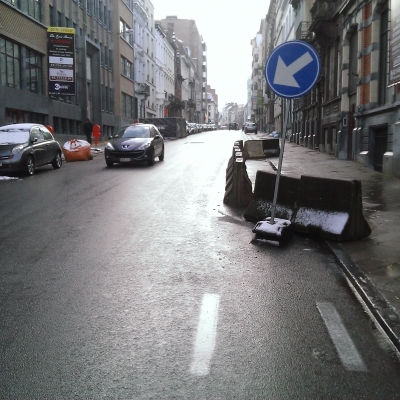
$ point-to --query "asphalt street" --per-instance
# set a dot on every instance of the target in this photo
(138, 282)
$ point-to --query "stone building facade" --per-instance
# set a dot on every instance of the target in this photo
(353, 112)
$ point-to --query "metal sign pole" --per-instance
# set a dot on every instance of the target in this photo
(291, 71)
(278, 174)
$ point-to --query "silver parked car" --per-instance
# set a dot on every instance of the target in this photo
(24, 147)
(250, 127)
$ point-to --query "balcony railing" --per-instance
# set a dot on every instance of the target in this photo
(302, 32)
(324, 9)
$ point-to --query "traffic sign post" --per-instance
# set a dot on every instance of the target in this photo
(291, 71)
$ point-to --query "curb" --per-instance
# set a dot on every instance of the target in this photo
(382, 311)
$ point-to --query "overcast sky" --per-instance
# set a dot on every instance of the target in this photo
(227, 27)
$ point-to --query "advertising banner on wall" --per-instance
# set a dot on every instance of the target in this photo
(394, 46)
(61, 62)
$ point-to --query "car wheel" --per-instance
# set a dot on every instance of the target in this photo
(109, 163)
(150, 161)
(30, 166)
(161, 156)
(57, 162)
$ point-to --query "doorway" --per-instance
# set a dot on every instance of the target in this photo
(379, 142)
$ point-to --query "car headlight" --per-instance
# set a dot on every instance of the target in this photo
(144, 146)
(17, 149)
(109, 146)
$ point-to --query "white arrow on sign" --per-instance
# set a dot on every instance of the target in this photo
(284, 74)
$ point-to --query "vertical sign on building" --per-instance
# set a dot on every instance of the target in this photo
(394, 47)
(61, 53)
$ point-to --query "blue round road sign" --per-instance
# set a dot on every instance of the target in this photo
(292, 69)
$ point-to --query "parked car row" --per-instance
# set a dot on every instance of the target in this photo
(25, 147)
(192, 128)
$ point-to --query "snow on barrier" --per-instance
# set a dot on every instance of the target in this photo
(262, 202)
(238, 188)
(262, 148)
(331, 208)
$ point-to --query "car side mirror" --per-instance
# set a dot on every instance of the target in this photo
(157, 136)
(34, 140)
(109, 137)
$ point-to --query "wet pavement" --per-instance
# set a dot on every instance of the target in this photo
(372, 264)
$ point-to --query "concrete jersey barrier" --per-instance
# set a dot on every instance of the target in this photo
(238, 187)
(330, 208)
(262, 148)
(264, 188)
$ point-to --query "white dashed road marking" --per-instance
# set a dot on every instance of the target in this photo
(206, 333)
(345, 347)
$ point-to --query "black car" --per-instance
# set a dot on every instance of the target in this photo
(132, 143)
(24, 147)
(233, 126)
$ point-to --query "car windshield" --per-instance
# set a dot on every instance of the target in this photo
(14, 136)
(133, 132)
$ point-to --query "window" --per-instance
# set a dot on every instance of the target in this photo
(127, 105)
(15, 3)
(36, 134)
(123, 27)
(10, 74)
(101, 12)
(51, 14)
(353, 71)
(59, 19)
(126, 68)
(383, 56)
(46, 134)
(34, 9)
(110, 58)
(34, 72)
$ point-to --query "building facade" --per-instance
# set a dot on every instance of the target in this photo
(186, 30)
(353, 111)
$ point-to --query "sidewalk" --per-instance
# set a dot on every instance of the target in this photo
(371, 264)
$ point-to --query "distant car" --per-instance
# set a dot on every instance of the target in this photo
(233, 126)
(25, 147)
(132, 143)
(250, 127)
(191, 128)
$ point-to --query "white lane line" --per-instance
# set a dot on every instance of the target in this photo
(345, 347)
(205, 338)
